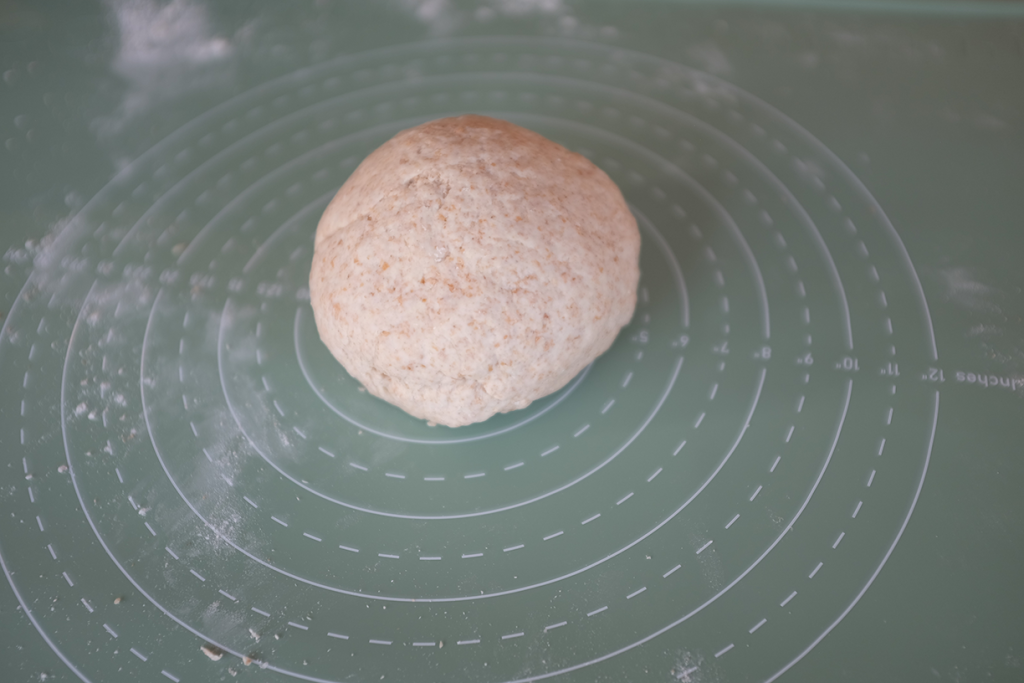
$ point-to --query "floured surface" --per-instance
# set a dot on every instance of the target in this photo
(186, 465)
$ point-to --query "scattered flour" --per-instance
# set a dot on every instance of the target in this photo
(167, 50)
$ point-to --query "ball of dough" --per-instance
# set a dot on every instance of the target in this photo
(469, 267)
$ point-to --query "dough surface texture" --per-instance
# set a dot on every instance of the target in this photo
(469, 267)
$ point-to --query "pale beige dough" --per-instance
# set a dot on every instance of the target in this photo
(469, 267)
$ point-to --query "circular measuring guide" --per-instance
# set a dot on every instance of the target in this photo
(199, 491)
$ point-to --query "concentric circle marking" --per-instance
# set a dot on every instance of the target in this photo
(718, 490)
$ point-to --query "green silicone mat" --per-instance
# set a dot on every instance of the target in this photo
(800, 461)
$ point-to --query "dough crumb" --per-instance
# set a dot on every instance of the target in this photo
(212, 651)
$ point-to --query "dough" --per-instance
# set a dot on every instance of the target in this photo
(469, 266)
